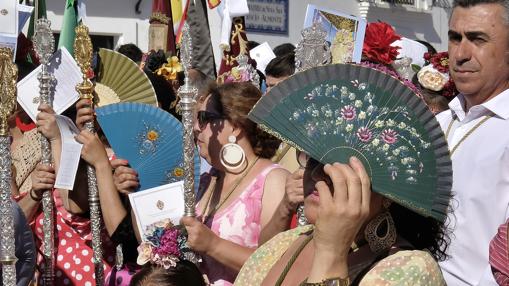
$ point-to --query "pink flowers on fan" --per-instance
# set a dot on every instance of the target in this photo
(389, 136)
(364, 134)
(348, 113)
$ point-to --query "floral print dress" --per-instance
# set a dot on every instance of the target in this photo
(238, 223)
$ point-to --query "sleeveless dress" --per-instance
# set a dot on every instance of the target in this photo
(238, 223)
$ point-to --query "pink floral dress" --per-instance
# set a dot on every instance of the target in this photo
(238, 223)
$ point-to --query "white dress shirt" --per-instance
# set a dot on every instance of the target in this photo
(480, 186)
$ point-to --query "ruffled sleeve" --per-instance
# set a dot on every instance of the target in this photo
(414, 267)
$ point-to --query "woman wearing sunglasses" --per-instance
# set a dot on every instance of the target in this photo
(355, 237)
(241, 192)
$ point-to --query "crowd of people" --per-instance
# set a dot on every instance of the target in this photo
(246, 229)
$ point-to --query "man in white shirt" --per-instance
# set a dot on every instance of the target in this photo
(477, 129)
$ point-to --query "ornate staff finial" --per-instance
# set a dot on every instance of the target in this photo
(8, 77)
(83, 53)
(313, 50)
(44, 44)
(188, 94)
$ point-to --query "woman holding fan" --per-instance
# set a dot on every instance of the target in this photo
(377, 182)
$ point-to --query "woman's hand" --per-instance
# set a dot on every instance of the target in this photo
(124, 177)
(93, 150)
(43, 178)
(46, 122)
(340, 217)
(341, 214)
(294, 191)
(199, 237)
(84, 113)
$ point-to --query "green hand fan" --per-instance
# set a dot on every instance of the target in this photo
(337, 111)
(121, 80)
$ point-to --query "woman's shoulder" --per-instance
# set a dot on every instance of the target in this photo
(415, 267)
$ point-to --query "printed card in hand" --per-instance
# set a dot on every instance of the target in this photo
(67, 75)
(70, 153)
(157, 204)
(8, 24)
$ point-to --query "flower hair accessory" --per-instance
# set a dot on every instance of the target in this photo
(377, 43)
(165, 245)
(435, 75)
(170, 69)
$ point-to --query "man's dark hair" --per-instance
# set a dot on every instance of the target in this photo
(284, 49)
(281, 66)
(471, 3)
(131, 51)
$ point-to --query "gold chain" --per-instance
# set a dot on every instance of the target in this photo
(467, 134)
(220, 204)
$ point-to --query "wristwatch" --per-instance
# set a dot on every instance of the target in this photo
(336, 281)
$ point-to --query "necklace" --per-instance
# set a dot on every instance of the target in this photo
(467, 134)
(234, 187)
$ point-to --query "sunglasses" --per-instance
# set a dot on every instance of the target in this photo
(205, 117)
(314, 167)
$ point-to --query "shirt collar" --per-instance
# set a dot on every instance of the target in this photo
(498, 105)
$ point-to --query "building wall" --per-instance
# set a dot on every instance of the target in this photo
(117, 18)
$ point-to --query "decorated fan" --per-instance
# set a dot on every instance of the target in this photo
(149, 138)
(120, 80)
(337, 111)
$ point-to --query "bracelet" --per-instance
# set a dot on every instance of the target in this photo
(336, 281)
(37, 199)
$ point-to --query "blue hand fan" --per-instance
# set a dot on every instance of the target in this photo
(150, 139)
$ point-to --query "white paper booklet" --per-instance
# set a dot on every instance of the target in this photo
(9, 24)
(156, 204)
(70, 155)
(67, 75)
(262, 54)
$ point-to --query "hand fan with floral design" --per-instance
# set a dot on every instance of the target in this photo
(337, 111)
(149, 138)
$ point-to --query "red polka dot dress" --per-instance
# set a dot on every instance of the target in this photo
(73, 248)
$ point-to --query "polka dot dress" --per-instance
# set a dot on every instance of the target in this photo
(73, 248)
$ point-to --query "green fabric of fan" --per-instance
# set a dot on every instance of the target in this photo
(121, 80)
(337, 111)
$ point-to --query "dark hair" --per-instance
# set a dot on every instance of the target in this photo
(164, 91)
(185, 273)
(131, 51)
(284, 49)
(281, 66)
(421, 232)
(471, 3)
(236, 99)
(155, 60)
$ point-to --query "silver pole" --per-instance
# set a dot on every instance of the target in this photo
(83, 54)
(188, 94)
(9, 74)
(312, 51)
(44, 44)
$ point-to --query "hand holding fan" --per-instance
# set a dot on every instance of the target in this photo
(337, 111)
(149, 138)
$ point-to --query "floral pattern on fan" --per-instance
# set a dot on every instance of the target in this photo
(176, 174)
(381, 131)
(149, 138)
